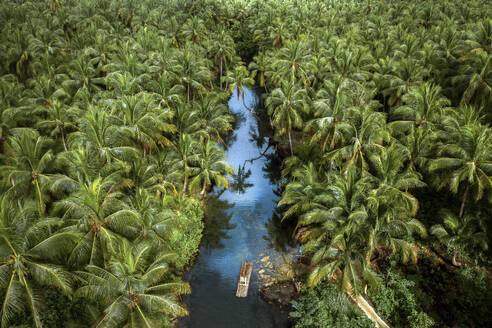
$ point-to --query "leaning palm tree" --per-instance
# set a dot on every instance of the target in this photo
(211, 167)
(135, 290)
(24, 269)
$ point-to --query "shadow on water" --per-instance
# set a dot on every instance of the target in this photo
(238, 227)
(217, 222)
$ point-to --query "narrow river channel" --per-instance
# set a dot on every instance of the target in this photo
(236, 230)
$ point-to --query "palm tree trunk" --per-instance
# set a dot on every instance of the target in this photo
(455, 262)
(244, 104)
(185, 183)
(188, 92)
(220, 72)
(18, 199)
(290, 144)
(465, 195)
(204, 189)
(40, 198)
(63, 138)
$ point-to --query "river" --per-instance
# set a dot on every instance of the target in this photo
(242, 224)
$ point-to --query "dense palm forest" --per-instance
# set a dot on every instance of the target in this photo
(113, 121)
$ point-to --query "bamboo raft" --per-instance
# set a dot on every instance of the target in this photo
(244, 278)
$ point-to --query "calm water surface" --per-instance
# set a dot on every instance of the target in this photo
(241, 224)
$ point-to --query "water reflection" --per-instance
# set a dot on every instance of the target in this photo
(217, 222)
(240, 181)
(280, 234)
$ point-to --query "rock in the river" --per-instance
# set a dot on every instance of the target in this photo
(280, 292)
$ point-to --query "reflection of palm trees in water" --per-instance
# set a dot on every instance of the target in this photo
(217, 221)
(239, 182)
(280, 233)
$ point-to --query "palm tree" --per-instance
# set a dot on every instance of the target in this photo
(194, 30)
(285, 105)
(459, 234)
(466, 162)
(133, 289)
(58, 119)
(290, 63)
(154, 223)
(424, 105)
(343, 258)
(143, 122)
(28, 164)
(223, 50)
(192, 70)
(94, 213)
(365, 135)
(474, 79)
(305, 193)
(259, 68)
(405, 73)
(329, 106)
(344, 209)
(185, 148)
(98, 131)
(211, 167)
(237, 80)
(24, 270)
(391, 180)
(213, 115)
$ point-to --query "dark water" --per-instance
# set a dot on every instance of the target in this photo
(242, 224)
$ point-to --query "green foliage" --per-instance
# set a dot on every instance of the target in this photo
(187, 234)
(323, 306)
(397, 300)
(61, 310)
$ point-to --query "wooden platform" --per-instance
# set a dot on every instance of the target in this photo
(244, 278)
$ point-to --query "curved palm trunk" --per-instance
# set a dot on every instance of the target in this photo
(221, 60)
(250, 109)
(185, 183)
(188, 92)
(40, 199)
(63, 138)
(455, 262)
(290, 144)
(463, 201)
(204, 189)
